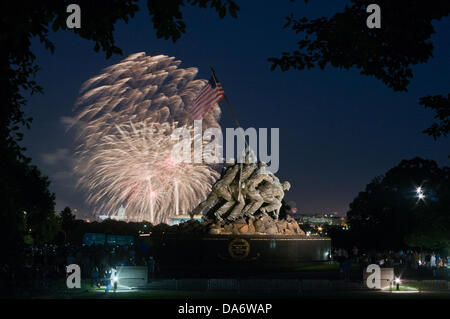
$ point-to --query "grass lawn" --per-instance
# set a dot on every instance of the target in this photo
(405, 292)
(132, 294)
(323, 266)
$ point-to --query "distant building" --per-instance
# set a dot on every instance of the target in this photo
(178, 219)
(90, 239)
(321, 219)
(119, 216)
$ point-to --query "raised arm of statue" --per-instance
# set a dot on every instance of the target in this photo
(230, 175)
(259, 178)
(247, 171)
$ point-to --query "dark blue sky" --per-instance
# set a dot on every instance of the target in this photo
(338, 129)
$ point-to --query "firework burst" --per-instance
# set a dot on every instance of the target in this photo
(125, 117)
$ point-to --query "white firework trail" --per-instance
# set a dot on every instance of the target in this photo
(124, 120)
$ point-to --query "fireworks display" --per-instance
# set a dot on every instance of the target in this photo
(124, 120)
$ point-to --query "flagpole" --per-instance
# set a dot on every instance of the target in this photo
(216, 80)
(233, 115)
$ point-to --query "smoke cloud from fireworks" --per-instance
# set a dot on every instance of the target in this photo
(124, 120)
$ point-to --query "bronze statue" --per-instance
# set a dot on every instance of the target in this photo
(244, 189)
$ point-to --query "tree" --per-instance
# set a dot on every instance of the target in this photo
(67, 219)
(345, 41)
(27, 203)
(441, 105)
(340, 238)
(387, 53)
(27, 216)
(389, 215)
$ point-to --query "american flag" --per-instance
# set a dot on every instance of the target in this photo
(210, 94)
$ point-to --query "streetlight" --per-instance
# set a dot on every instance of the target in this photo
(420, 194)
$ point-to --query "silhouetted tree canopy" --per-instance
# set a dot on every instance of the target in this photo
(344, 40)
(388, 213)
(67, 218)
(26, 202)
(26, 214)
(441, 105)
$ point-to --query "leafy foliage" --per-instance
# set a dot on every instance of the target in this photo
(441, 105)
(67, 219)
(27, 215)
(167, 17)
(388, 214)
(344, 41)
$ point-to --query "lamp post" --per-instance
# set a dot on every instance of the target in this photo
(397, 283)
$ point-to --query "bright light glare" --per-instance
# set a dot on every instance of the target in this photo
(420, 194)
(397, 280)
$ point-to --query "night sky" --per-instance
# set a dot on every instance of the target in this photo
(338, 129)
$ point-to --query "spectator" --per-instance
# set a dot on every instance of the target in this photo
(433, 261)
(355, 253)
(95, 274)
(346, 268)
